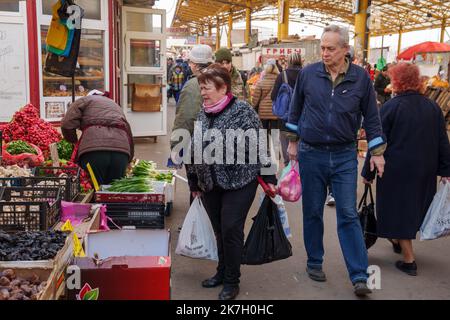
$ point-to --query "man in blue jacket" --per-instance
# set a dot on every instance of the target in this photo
(329, 101)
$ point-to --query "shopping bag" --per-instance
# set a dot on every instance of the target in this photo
(62, 65)
(437, 220)
(290, 186)
(266, 241)
(281, 209)
(367, 218)
(197, 239)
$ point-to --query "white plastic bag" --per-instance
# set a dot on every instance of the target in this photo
(197, 239)
(281, 212)
(437, 221)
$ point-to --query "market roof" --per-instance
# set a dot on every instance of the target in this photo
(391, 16)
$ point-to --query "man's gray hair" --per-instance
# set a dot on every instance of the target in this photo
(342, 31)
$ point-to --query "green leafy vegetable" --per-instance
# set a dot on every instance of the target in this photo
(133, 184)
(65, 149)
(19, 147)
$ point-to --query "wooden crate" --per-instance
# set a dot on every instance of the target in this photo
(56, 267)
(44, 274)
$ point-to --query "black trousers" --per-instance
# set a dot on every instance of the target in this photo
(107, 165)
(228, 211)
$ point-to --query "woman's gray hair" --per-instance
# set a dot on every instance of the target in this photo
(342, 31)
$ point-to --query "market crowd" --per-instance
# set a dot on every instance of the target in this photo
(330, 101)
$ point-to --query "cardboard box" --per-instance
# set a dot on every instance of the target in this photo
(124, 265)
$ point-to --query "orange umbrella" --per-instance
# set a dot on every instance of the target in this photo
(424, 47)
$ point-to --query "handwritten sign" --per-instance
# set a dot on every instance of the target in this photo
(13, 88)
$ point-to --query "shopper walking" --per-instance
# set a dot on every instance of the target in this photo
(418, 151)
(290, 75)
(190, 101)
(106, 142)
(224, 57)
(227, 190)
(262, 100)
(328, 103)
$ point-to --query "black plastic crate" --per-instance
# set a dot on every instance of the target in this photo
(46, 177)
(29, 209)
(140, 215)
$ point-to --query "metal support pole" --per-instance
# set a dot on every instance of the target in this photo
(248, 22)
(230, 27)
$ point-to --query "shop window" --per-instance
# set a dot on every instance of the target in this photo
(92, 8)
(90, 75)
(9, 5)
(148, 83)
(144, 22)
(145, 53)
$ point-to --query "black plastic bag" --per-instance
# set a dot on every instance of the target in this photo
(367, 218)
(266, 241)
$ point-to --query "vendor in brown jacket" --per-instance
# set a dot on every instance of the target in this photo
(106, 141)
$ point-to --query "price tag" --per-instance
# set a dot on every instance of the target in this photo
(77, 247)
(67, 226)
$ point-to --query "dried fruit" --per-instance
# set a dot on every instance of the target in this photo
(4, 294)
(4, 282)
(9, 273)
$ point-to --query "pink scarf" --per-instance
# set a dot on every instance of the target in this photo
(220, 105)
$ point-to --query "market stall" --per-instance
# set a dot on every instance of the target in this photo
(50, 214)
(432, 58)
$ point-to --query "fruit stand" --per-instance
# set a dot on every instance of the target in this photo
(49, 210)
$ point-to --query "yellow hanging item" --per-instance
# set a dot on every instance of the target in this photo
(58, 33)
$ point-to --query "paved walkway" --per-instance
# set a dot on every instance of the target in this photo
(287, 279)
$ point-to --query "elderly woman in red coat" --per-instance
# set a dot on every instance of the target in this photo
(418, 151)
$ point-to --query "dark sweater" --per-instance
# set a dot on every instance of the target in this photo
(238, 115)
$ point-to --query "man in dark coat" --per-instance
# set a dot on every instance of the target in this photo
(381, 86)
(417, 152)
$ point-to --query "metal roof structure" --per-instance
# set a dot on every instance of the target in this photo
(387, 16)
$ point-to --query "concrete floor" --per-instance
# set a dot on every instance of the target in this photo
(286, 280)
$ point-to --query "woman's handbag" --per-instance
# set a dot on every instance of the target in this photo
(367, 218)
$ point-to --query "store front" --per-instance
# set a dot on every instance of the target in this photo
(122, 51)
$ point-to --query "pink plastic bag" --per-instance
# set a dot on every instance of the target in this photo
(290, 186)
(103, 218)
(75, 212)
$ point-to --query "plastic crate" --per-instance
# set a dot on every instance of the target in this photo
(46, 177)
(29, 209)
(140, 215)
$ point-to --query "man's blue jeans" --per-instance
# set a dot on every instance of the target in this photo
(338, 167)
